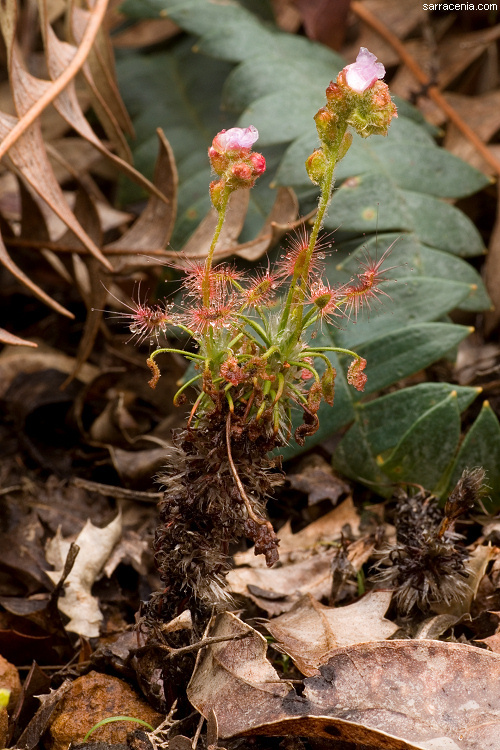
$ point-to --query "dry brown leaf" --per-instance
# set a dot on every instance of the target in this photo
(482, 114)
(28, 154)
(309, 632)
(276, 590)
(316, 477)
(423, 691)
(492, 641)
(286, 15)
(59, 55)
(325, 530)
(392, 695)
(324, 21)
(9, 264)
(401, 18)
(280, 220)
(153, 228)
(96, 546)
(235, 679)
(12, 340)
(338, 733)
(454, 55)
(14, 361)
(99, 73)
(146, 32)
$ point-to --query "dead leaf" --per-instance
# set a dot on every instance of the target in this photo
(10, 339)
(14, 361)
(422, 691)
(482, 114)
(297, 546)
(129, 551)
(324, 21)
(316, 478)
(78, 603)
(276, 590)
(338, 733)
(279, 222)
(235, 680)
(456, 52)
(476, 565)
(145, 32)
(309, 632)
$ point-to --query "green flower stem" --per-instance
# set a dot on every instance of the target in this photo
(286, 309)
(337, 349)
(306, 366)
(234, 341)
(325, 198)
(205, 284)
(323, 357)
(270, 351)
(257, 328)
(186, 385)
(300, 396)
(186, 355)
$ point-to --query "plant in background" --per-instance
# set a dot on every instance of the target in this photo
(428, 563)
(255, 360)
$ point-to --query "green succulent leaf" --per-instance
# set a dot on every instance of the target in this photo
(428, 447)
(481, 447)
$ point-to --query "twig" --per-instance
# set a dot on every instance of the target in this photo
(433, 92)
(171, 652)
(117, 492)
(88, 38)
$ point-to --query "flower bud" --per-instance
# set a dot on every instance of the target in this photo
(328, 384)
(355, 375)
(258, 162)
(241, 172)
(217, 190)
(374, 113)
(314, 397)
(219, 161)
(315, 165)
(326, 125)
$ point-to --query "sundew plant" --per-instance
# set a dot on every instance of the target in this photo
(255, 360)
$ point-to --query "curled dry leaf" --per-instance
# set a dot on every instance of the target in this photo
(21, 139)
(309, 632)
(276, 590)
(78, 603)
(235, 680)
(280, 220)
(394, 695)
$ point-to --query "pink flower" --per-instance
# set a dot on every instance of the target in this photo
(362, 74)
(235, 139)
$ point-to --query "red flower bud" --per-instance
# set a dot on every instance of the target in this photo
(258, 162)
